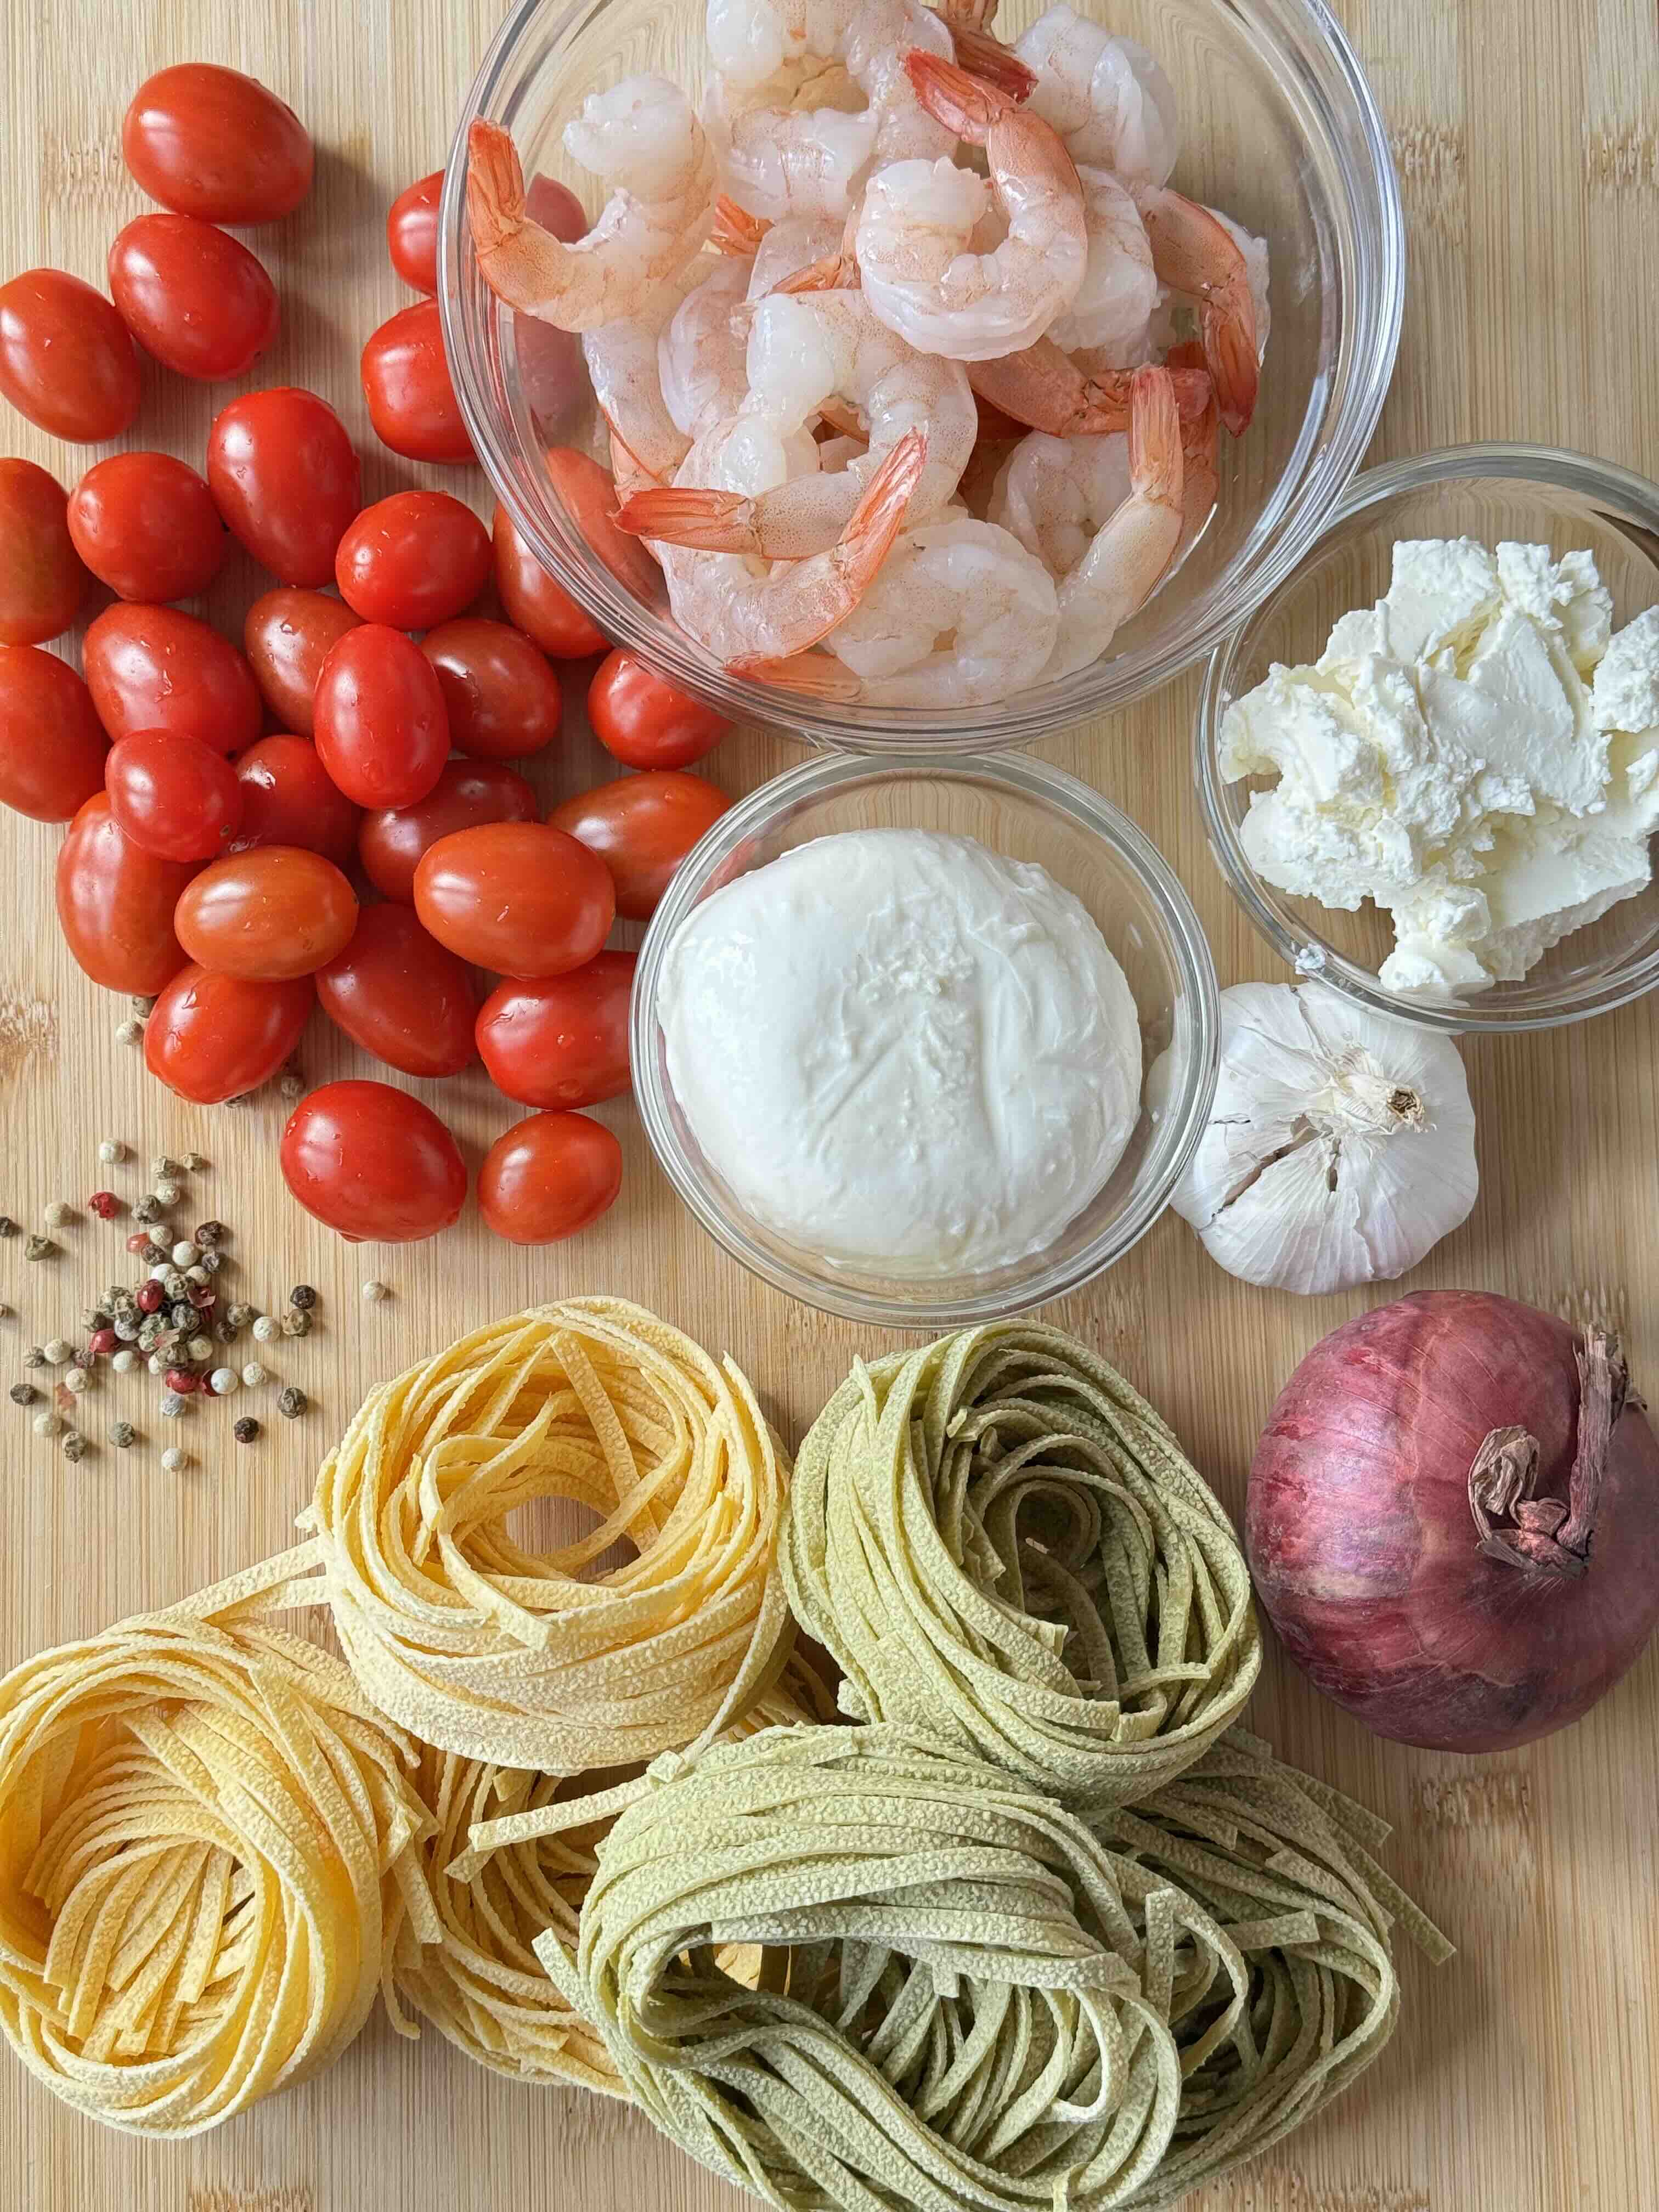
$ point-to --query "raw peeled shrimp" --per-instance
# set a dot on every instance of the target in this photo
(1050, 391)
(915, 229)
(1196, 254)
(1129, 554)
(642, 136)
(1108, 97)
(700, 353)
(1112, 310)
(748, 617)
(806, 350)
(623, 367)
(809, 93)
(1054, 495)
(800, 241)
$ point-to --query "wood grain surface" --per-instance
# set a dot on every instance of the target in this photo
(1524, 2078)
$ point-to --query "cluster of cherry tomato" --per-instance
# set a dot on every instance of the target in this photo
(231, 809)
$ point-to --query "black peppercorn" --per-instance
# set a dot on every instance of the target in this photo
(291, 1404)
(211, 1232)
(302, 1296)
(245, 1429)
(23, 1394)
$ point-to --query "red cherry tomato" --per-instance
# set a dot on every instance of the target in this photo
(173, 796)
(392, 840)
(588, 494)
(192, 296)
(644, 721)
(551, 374)
(42, 582)
(267, 915)
(289, 799)
(373, 1162)
(212, 142)
(400, 996)
(146, 526)
(414, 560)
(115, 903)
(516, 897)
(67, 359)
(411, 233)
(563, 1041)
(156, 668)
(548, 1177)
(211, 1037)
(543, 609)
(287, 636)
(52, 742)
(502, 699)
(642, 827)
(286, 479)
(412, 401)
(380, 726)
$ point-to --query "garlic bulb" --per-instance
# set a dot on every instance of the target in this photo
(1341, 1147)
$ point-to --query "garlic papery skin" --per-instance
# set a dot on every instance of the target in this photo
(1341, 1147)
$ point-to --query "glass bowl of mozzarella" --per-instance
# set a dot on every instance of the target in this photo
(882, 554)
(1429, 763)
(892, 1026)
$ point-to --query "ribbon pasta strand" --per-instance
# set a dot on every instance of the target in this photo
(1005, 1547)
(512, 1657)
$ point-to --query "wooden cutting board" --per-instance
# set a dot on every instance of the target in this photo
(1525, 2075)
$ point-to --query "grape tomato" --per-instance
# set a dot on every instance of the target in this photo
(380, 726)
(515, 897)
(642, 827)
(549, 1177)
(562, 1041)
(414, 560)
(286, 636)
(286, 478)
(288, 798)
(115, 903)
(412, 401)
(543, 609)
(173, 796)
(266, 915)
(146, 526)
(42, 581)
(502, 698)
(411, 232)
(392, 839)
(373, 1163)
(67, 359)
(53, 744)
(210, 142)
(210, 1038)
(398, 992)
(157, 668)
(552, 375)
(193, 296)
(588, 494)
(644, 721)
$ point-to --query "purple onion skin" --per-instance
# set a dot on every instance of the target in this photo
(1364, 1554)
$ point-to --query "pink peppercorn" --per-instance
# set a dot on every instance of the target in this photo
(150, 1297)
(181, 1380)
(105, 1204)
(139, 1240)
(102, 1342)
(203, 1296)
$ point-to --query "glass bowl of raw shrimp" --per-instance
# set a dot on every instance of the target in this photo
(1278, 128)
(1025, 811)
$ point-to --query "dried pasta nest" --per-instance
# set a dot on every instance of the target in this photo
(207, 1847)
(1006, 1547)
(510, 1656)
(481, 1986)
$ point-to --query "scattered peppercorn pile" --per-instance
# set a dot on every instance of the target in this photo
(237, 808)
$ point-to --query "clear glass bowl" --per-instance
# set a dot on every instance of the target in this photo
(1027, 811)
(1279, 128)
(1490, 492)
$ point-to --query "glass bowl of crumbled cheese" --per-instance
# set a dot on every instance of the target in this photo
(1271, 121)
(1429, 762)
(892, 1029)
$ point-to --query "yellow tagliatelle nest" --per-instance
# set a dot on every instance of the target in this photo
(1004, 1547)
(206, 1850)
(482, 1984)
(507, 1656)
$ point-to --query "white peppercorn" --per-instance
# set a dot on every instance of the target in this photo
(197, 1274)
(254, 1375)
(266, 1330)
(58, 1215)
(112, 1151)
(200, 1347)
(156, 1363)
(374, 1291)
(75, 1379)
(173, 1405)
(129, 1032)
(168, 1192)
(184, 1253)
(125, 1360)
(45, 1425)
(59, 1351)
(123, 1434)
(74, 1447)
(223, 1380)
(174, 1461)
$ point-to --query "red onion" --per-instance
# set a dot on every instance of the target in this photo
(1454, 1520)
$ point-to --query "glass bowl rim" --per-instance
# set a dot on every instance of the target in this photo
(1371, 195)
(1506, 461)
(1186, 1113)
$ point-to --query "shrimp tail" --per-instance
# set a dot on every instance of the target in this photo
(736, 231)
(522, 264)
(1156, 466)
(692, 514)
(1235, 369)
(808, 675)
(831, 272)
(1113, 391)
(1194, 254)
(989, 60)
(964, 103)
